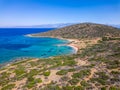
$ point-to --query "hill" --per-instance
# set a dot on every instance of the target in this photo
(83, 30)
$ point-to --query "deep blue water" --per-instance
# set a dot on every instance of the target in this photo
(13, 44)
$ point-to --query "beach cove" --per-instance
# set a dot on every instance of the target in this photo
(70, 43)
(16, 46)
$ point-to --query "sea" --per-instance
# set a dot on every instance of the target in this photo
(14, 45)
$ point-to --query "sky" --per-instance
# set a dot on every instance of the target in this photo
(36, 12)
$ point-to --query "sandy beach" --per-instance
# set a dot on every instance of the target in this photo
(73, 44)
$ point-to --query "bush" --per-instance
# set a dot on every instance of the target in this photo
(4, 78)
(20, 70)
(32, 63)
(46, 73)
(71, 70)
(69, 63)
(79, 88)
(81, 74)
(33, 72)
(30, 79)
(113, 64)
(4, 82)
(110, 38)
(102, 75)
(4, 75)
(115, 72)
(114, 88)
(65, 78)
(99, 80)
(84, 83)
(51, 87)
(31, 82)
(105, 38)
(62, 72)
(67, 88)
(8, 87)
(38, 80)
(103, 88)
(73, 81)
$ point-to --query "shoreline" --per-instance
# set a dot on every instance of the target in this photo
(70, 44)
(14, 61)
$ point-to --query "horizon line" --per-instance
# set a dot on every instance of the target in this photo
(42, 25)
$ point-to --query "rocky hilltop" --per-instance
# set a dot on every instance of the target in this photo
(83, 30)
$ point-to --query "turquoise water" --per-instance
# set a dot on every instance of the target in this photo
(13, 45)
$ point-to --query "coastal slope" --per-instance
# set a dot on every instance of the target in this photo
(95, 66)
(83, 30)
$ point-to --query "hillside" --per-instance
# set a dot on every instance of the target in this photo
(96, 65)
(83, 30)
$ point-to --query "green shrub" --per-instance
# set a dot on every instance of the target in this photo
(99, 80)
(62, 72)
(71, 70)
(113, 64)
(4, 75)
(38, 80)
(21, 76)
(78, 88)
(20, 70)
(31, 82)
(4, 78)
(103, 88)
(102, 75)
(46, 73)
(30, 79)
(65, 78)
(84, 83)
(33, 63)
(69, 63)
(115, 72)
(8, 87)
(73, 81)
(81, 74)
(105, 38)
(4, 82)
(33, 72)
(67, 88)
(115, 79)
(51, 87)
(114, 88)
(110, 38)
